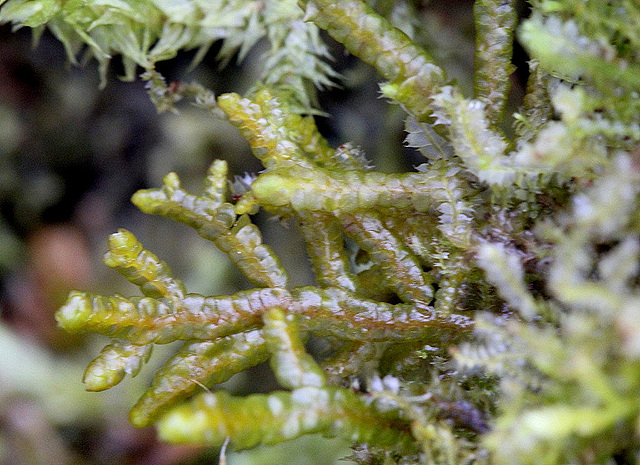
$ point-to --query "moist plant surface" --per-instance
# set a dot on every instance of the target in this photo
(482, 308)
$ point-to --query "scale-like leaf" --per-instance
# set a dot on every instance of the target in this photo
(396, 262)
(293, 367)
(280, 416)
(216, 222)
(413, 76)
(198, 364)
(141, 267)
(115, 361)
(344, 191)
(330, 311)
(495, 22)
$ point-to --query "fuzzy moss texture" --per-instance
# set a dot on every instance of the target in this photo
(497, 319)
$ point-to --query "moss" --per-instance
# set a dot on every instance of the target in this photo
(496, 287)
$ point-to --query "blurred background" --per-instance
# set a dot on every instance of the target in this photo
(71, 156)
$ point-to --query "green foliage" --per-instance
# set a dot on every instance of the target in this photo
(495, 23)
(495, 289)
(148, 31)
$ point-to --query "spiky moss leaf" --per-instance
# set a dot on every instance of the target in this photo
(576, 145)
(481, 149)
(559, 47)
(570, 389)
(281, 416)
(582, 398)
(296, 58)
(504, 270)
(453, 273)
(142, 32)
(606, 37)
(424, 137)
(146, 32)
(618, 22)
(30, 13)
(454, 199)
(498, 353)
(601, 213)
(536, 109)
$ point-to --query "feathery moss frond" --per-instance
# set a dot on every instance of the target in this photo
(146, 32)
